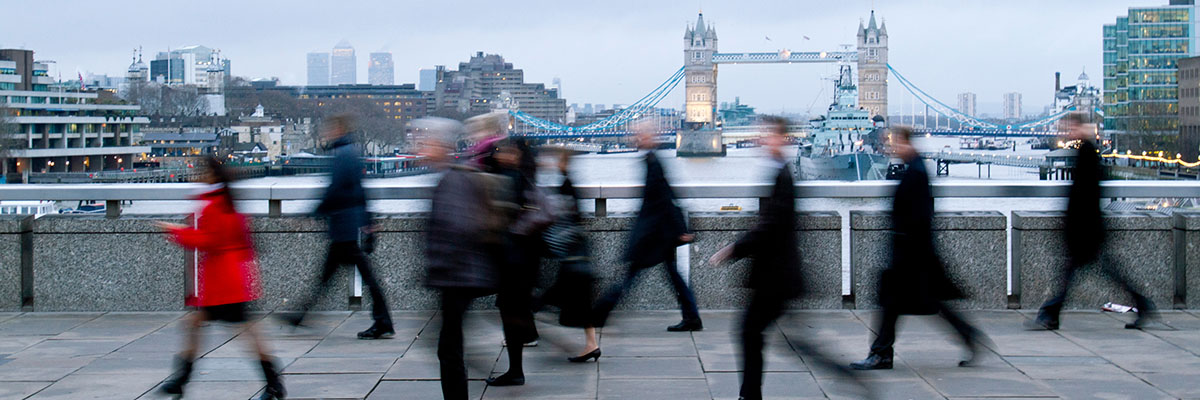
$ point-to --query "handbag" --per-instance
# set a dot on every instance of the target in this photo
(536, 215)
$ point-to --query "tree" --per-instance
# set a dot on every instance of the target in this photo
(376, 128)
(167, 100)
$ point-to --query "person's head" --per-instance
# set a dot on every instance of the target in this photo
(901, 142)
(215, 172)
(486, 125)
(643, 135)
(776, 137)
(437, 137)
(337, 126)
(1073, 124)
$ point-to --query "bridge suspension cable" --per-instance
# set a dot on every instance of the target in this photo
(646, 103)
(952, 113)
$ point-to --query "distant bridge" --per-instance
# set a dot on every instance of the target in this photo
(987, 132)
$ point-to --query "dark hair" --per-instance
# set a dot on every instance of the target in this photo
(345, 121)
(1074, 118)
(528, 162)
(902, 132)
(222, 173)
(778, 124)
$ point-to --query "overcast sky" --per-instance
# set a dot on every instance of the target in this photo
(612, 51)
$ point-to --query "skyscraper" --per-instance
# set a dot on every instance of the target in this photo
(1140, 54)
(318, 69)
(381, 70)
(1012, 105)
(966, 103)
(428, 80)
(343, 65)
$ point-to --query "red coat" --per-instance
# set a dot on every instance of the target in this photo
(227, 271)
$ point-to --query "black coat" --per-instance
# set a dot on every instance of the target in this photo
(457, 252)
(659, 224)
(916, 280)
(345, 202)
(1084, 227)
(771, 244)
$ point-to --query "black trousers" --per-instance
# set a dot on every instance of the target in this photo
(1051, 308)
(887, 329)
(348, 253)
(683, 293)
(450, 342)
(762, 311)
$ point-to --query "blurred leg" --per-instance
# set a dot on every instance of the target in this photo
(1051, 308)
(333, 260)
(609, 300)
(450, 345)
(886, 336)
(379, 308)
(759, 315)
(683, 293)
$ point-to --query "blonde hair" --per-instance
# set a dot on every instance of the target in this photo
(489, 124)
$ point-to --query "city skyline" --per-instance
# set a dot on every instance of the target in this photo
(945, 47)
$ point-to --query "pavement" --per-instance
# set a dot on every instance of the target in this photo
(127, 355)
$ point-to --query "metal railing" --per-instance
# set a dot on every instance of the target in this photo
(276, 193)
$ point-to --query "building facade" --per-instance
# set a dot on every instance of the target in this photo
(343, 65)
(700, 75)
(1189, 109)
(62, 131)
(966, 103)
(1141, 51)
(427, 80)
(318, 69)
(486, 83)
(872, 67)
(188, 65)
(1012, 106)
(381, 70)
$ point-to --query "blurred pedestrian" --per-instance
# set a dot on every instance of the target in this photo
(522, 256)
(575, 283)
(345, 207)
(775, 274)
(916, 282)
(658, 229)
(465, 231)
(1084, 231)
(227, 277)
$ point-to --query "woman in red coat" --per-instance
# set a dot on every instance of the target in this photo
(228, 276)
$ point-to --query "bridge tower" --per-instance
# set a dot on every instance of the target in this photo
(700, 74)
(872, 67)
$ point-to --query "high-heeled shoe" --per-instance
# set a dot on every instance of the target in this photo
(591, 355)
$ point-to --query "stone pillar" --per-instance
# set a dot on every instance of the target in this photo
(971, 246)
(92, 263)
(1187, 259)
(15, 260)
(724, 287)
(291, 251)
(399, 262)
(1139, 244)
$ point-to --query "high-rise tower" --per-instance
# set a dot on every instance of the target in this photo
(700, 74)
(343, 66)
(872, 67)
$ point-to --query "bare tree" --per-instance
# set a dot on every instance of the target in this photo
(166, 100)
(377, 128)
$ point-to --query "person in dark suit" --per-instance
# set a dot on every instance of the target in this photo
(775, 275)
(345, 206)
(1084, 231)
(916, 281)
(657, 231)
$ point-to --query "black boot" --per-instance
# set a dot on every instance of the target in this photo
(174, 384)
(1147, 313)
(873, 361)
(274, 388)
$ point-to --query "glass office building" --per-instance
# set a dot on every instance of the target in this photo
(1140, 72)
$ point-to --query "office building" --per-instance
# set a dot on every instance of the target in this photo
(1141, 51)
(1189, 109)
(1012, 106)
(343, 65)
(966, 103)
(427, 80)
(188, 65)
(62, 131)
(486, 82)
(318, 69)
(381, 70)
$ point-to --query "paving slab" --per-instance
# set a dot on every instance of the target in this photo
(548, 386)
(776, 385)
(990, 381)
(99, 387)
(651, 368)
(331, 386)
(21, 390)
(46, 324)
(639, 389)
(1108, 387)
(1177, 384)
(212, 390)
(425, 389)
(334, 365)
